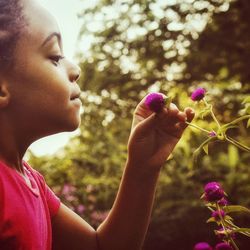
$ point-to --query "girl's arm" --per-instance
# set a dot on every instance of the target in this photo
(153, 137)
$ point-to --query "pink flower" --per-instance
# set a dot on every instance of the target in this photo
(213, 192)
(217, 214)
(198, 94)
(223, 201)
(202, 246)
(212, 134)
(155, 102)
(224, 233)
(223, 246)
(80, 209)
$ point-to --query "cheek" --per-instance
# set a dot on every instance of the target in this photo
(40, 92)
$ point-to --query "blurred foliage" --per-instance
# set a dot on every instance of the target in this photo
(169, 46)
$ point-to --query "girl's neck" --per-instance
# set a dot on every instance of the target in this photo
(11, 151)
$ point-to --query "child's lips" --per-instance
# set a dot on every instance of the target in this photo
(77, 101)
(75, 95)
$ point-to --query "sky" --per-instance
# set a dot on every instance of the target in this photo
(65, 13)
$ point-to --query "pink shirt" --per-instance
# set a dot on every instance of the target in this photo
(25, 212)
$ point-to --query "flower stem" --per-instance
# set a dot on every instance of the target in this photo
(212, 113)
(195, 126)
(237, 144)
(234, 244)
(238, 120)
(224, 228)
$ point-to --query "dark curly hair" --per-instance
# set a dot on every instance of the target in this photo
(12, 23)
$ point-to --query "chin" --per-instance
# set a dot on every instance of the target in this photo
(73, 125)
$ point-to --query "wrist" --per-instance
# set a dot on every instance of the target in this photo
(142, 171)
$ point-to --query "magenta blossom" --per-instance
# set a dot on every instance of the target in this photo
(212, 134)
(198, 94)
(80, 209)
(223, 246)
(217, 214)
(224, 233)
(155, 102)
(213, 192)
(223, 201)
(202, 246)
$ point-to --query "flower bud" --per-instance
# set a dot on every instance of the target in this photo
(224, 233)
(223, 246)
(223, 201)
(155, 102)
(212, 134)
(198, 94)
(213, 192)
(202, 246)
(217, 214)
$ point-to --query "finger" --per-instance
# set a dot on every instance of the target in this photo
(145, 124)
(189, 113)
(175, 113)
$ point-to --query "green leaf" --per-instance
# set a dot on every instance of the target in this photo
(228, 218)
(197, 152)
(168, 100)
(236, 208)
(247, 110)
(205, 148)
(246, 100)
(248, 123)
(212, 219)
(204, 113)
(243, 230)
(202, 196)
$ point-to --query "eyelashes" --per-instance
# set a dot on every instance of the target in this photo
(56, 59)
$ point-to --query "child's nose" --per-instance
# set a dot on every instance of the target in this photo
(74, 72)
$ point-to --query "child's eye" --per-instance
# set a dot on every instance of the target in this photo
(55, 59)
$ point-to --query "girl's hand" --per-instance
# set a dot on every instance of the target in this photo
(154, 135)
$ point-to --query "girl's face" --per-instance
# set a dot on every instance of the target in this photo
(42, 84)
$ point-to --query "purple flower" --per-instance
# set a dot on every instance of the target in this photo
(202, 246)
(155, 102)
(212, 134)
(223, 201)
(223, 246)
(80, 209)
(216, 214)
(224, 233)
(198, 94)
(213, 192)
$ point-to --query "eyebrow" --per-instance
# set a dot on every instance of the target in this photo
(53, 34)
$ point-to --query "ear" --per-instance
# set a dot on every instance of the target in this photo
(4, 94)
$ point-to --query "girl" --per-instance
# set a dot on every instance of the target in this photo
(39, 96)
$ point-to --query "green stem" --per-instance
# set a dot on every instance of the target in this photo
(237, 120)
(224, 228)
(234, 227)
(237, 144)
(204, 143)
(195, 126)
(212, 113)
(234, 244)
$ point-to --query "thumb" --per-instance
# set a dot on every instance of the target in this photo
(143, 124)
